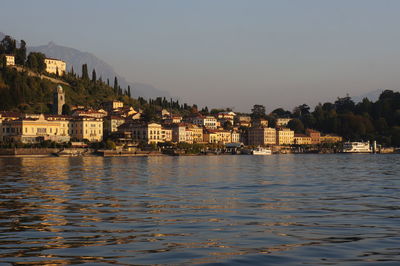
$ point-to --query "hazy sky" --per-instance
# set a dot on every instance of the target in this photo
(228, 53)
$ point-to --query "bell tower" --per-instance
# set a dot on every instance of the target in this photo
(58, 100)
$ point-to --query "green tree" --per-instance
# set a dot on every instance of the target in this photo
(129, 91)
(94, 77)
(258, 111)
(296, 125)
(36, 62)
(20, 56)
(116, 85)
(8, 45)
(85, 73)
(110, 145)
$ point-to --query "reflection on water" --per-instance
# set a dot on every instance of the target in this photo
(318, 209)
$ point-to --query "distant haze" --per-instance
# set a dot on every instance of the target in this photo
(228, 53)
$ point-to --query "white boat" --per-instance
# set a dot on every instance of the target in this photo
(261, 151)
(357, 147)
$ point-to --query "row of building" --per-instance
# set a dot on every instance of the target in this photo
(118, 122)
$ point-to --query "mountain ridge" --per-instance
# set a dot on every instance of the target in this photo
(76, 58)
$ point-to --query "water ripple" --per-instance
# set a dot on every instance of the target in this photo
(285, 209)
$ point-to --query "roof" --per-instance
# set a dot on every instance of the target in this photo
(300, 136)
(49, 58)
(9, 114)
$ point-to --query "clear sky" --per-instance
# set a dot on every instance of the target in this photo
(228, 53)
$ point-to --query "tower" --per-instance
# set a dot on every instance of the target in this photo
(58, 100)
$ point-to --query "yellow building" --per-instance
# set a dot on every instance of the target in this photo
(166, 134)
(282, 122)
(284, 136)
(151, 133)
(243, 120)
(301, 139)
(235, 136)
(259, 136)
(189, 136)
(197, 133)
(315, 136)
(224, 136)
(331, 139)
(90, 113)
(259, 122)
(210, 137)
(113, 105)
(89, 128)
(10, 60)
(175, 119)
(217, 136)
(55, 65)
(32, 130)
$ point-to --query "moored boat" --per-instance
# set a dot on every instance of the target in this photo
(261, 151)
(357, 147)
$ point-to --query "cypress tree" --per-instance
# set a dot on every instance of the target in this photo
(116, 85)
(129, 91)
(85, 74)
(20, 56)
(94, 78)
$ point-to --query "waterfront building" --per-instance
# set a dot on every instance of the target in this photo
(261, 136)
(189, 136)
(284, 136)
(235, 136)
(210, 136)
(150, 133)
(301, 139)
(223, 136)
(58, 100)
(331, 139)
(33, 130)
(217, 136)
(89, 128)
(63, 120)
(282, 122)
(315, 136)
(179, 132)
(54, 66)
(166, 134)
(197, 133)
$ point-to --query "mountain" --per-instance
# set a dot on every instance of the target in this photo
(76, 58)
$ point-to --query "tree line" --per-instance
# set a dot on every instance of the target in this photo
(366, 120)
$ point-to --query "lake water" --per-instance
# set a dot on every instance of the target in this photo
(279, 209)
